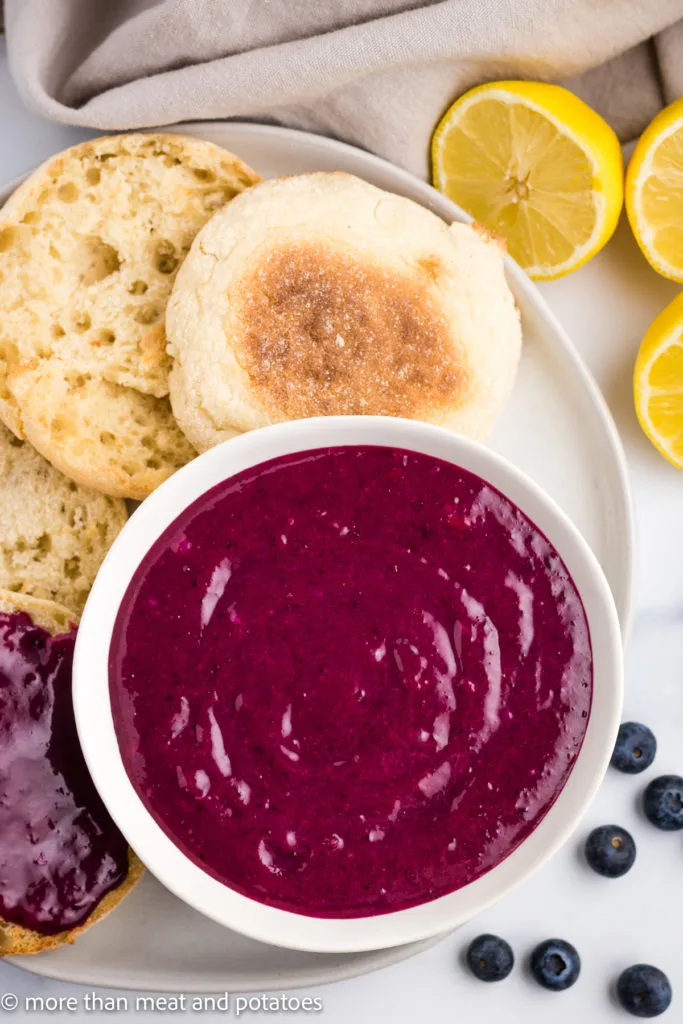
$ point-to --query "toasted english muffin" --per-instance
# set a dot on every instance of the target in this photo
(54, 533)
(90, 246)
(321, 295)
(14, 938)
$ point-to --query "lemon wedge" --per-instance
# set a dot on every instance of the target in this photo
(654, 192)
(534, 164)
(658, 383)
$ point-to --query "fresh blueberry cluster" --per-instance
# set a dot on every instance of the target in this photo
(554, 963)
(642, 990)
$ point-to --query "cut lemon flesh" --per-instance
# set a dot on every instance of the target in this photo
(534, 164)
(658, 383)
(654, 192)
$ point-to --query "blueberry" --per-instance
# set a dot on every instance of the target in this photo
(644, 991)
(490, 958)
(663, 802)
(555, 964)
(610, 851)
(635, 748)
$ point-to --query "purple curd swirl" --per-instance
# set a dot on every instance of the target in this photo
(350, 680)
(60, 852)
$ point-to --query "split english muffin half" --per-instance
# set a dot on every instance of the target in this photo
(323, 295)
(15, 938)
(54, 533)
(90, 246)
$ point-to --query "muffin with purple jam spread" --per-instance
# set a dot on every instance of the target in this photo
(63, 862)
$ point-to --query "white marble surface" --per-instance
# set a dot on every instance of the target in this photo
(606, 308)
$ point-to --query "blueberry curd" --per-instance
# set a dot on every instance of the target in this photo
(60, 852)
(350, 680)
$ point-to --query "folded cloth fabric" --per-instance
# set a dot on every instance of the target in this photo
(377, 73)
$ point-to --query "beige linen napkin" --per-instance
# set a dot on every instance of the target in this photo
(377, 73)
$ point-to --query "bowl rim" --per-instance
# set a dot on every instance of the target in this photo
(165, 860)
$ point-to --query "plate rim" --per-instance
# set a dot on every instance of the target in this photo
(344, 970)
(444, 207)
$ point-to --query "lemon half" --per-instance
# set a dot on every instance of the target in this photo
(537, 166)
(658, 383)
(654, 192)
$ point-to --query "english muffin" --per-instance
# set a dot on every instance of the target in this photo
(16, 938)
(90, 246)
(320, 295)
(53, 532)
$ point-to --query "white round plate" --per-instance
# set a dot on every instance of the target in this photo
(556, 428)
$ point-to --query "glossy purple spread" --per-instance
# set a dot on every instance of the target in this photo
(351, 680)
(60, 852)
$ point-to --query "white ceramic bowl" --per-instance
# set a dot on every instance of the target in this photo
(178, 872)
